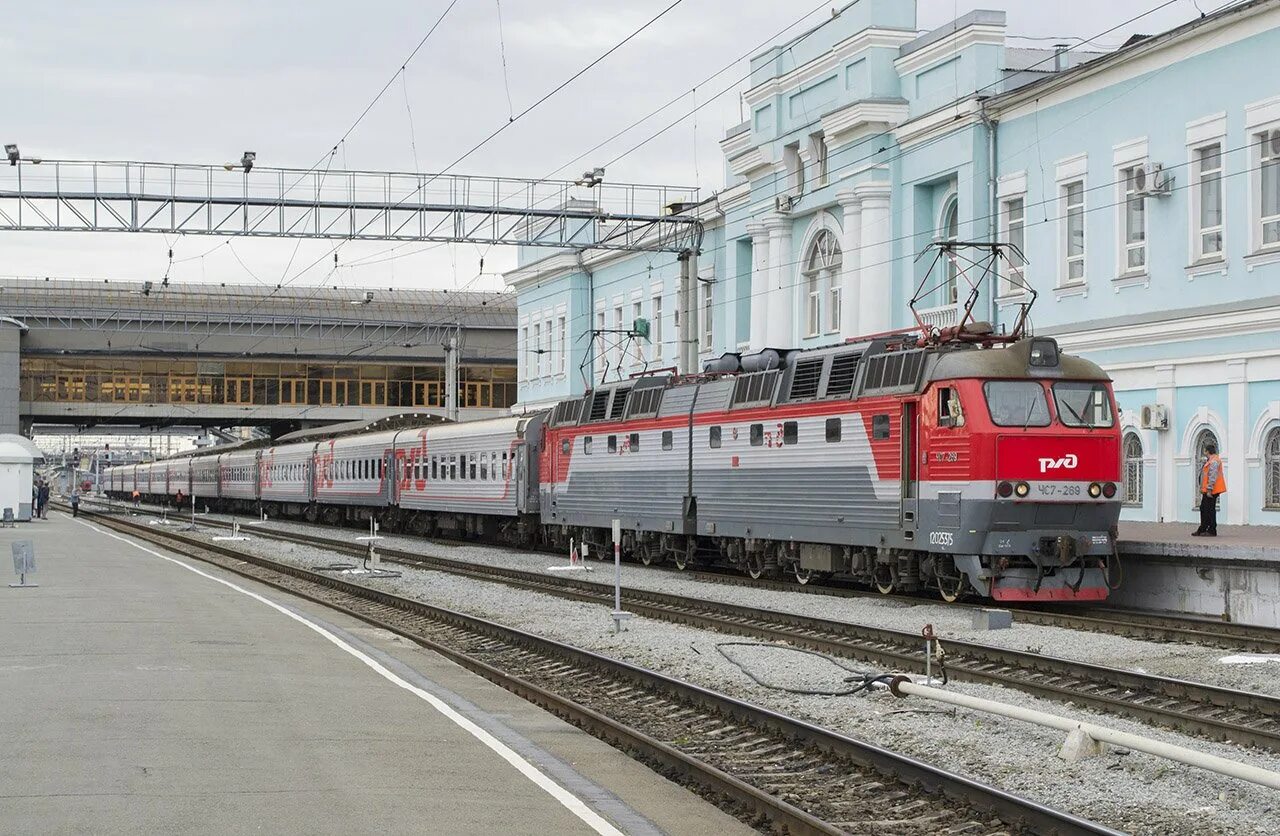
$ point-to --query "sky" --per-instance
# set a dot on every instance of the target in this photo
(193, 81)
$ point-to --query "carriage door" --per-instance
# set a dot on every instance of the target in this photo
(909, 464)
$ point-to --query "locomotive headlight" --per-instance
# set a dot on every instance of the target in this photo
(1004, 490)
(1022, 489)
(1095, 490)
(1109, 490)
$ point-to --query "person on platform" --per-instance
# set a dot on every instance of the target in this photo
(44, 500)
(75, 503)
(137, 498)
(179, 498)
(1213, 483)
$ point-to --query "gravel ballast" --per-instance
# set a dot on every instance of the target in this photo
(1128, 791)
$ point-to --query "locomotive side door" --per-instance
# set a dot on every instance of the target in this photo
(910, 464)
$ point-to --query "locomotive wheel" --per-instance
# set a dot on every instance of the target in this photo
(684, 557)
(803, 576)
(650, 554)
(883, 577)
(951, 586)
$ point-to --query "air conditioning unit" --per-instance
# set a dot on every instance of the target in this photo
(784, 202)
(1155, 417)
(1151, 180)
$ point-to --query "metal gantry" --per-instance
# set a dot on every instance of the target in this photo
(254, 201)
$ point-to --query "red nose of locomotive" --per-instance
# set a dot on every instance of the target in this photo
(1057, 467)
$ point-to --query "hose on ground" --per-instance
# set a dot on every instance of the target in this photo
(863, 679)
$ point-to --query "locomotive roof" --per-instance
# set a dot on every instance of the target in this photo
(1011, 361)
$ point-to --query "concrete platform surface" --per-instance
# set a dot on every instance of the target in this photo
(1234, 542)
(141, 697)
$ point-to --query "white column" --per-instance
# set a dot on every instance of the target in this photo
(851, 252)
(875, 269)
(780, 312)
(759, 284)
(1166, 449)
(1235, 447)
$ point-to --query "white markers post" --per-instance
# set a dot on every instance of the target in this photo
(24, 563)
(575, 561)
(618, 615)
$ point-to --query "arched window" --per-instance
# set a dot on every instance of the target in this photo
(1132, 469)
(1271, 467)
(1204, 438)
(951, 232)
(822, 278)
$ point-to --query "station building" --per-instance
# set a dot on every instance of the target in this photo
(1142, 184)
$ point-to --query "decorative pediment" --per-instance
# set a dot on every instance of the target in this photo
(861, 117)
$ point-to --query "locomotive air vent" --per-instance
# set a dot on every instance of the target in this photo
(755, 388)
(805, 379)
(645, 402)
(599, 405)
(618, 408)
(896, 370)
(843, 370)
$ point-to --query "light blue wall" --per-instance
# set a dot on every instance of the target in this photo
(1130, 402)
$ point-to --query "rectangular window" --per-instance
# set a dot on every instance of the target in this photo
(666, 440)
(613, 444)
(506, 470)
(948, 408)
(880, 427)
(1073, 232)
(599, 347)
(813, 308)
(757, 435)
(833, 429)
(1134, 226)
(633, 442)
(1015, 234)
(795, 168)
(638, 349)
(564, 446)
(617, 338)
(655, 327)
(707, 307)
(524, 352)
(484, 467)
(1083, 404)
(790, 432)
(562, 331)
(818, 151)
(833, 305)
(1016, 403)
(1269, 186)
(471, 462)
(1208, 201)
(435, 468)
(586, 445)
(713, 437)
(537, 349)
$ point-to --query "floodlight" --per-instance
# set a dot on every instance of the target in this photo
(246, 160)
(11, 151)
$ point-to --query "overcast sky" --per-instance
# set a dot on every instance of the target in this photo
(199, 82)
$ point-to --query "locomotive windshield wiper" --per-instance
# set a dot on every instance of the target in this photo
(1077, 415)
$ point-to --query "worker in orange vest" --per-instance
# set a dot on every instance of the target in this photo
(1213, 482)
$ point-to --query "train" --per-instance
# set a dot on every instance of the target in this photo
(971, 467)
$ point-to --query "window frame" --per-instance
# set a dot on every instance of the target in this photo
(1069, 420)
(1271, 469)
(986, 397)
(1008, 223)
(1198, 231)
(1263, 152)
(667, 440)
(1131, 475)
(1128, 241)
(714, 437)
(836, 424)
(1067, 209)
(790, 433)
(755, 435)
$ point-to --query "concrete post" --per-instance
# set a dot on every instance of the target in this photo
(451, 378)
(759, 284)
(875, 273)
(780, 308)
(851, 259)
(687, 299)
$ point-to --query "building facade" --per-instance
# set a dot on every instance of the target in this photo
(1141, 185)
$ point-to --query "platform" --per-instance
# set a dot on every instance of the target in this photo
(1233, 543)
(142, 697)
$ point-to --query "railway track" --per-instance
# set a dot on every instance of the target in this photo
(1209, 711)
(771, 770)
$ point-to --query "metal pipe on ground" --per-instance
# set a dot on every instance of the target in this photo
(902, 687)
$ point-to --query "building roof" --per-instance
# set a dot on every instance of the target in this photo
(17, 448)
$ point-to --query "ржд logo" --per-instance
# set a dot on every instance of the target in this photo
(1067, 462)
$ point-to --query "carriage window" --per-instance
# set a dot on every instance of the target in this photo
(833, 429)
(1016, 403)
(472, 458)
(484, 467)
(666, 440)
(714, 439)
(613, 444)
(949, 412)
(757, 435)
(880, 427)
(634, 442)
(453, 468)
(564, 446)
(506, 472)
(1083, 404)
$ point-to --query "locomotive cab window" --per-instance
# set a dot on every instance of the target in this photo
(790, 432)
(880, 427)
(833, 429)
(757, 435)
(713, 437)
(1016, 403)
(564, 446)
(949, 412)
(1083, 404)
(666, 439)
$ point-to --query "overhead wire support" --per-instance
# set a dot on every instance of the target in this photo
(111, 196)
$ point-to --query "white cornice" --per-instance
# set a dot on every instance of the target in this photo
(839, 124)
(1233, 323)
(940, 121)
(978, 34)
(750, 160)
(731, 146)
(735, 196)
(828, 62)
